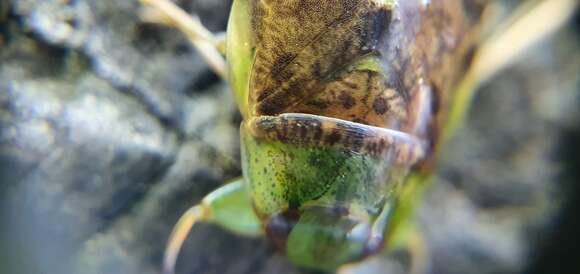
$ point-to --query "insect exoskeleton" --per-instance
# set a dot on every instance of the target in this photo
(327, 140)
(345, 104)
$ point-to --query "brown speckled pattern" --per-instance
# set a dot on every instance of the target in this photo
(311, 56)
(301, 45)
(316, 131)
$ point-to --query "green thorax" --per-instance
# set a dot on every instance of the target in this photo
(323, 206)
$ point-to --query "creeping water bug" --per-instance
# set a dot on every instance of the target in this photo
(345, 105)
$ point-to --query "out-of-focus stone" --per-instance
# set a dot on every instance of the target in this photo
(77, 155)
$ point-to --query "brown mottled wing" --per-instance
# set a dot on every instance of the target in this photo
(302, 43)
(360, 96)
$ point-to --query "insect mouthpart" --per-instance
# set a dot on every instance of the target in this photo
(325, 237)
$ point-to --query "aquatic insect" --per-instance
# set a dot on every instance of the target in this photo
(345, 105)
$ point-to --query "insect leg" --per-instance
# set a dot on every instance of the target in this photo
(228, 206)
(193, 215)
(419, 253)
(532, 22)
(211, 47)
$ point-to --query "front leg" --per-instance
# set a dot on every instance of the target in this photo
(228, 206)
(209, 46)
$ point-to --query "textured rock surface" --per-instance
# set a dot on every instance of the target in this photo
(111, 127)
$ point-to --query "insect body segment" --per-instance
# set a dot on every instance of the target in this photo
(322, 205)
(318, 131)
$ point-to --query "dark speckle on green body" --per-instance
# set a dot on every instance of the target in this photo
(299, 175)
(334, 197)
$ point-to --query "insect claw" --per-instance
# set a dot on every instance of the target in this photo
(179, 234)
(226, 207)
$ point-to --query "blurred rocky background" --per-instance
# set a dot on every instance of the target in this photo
(110, 127)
